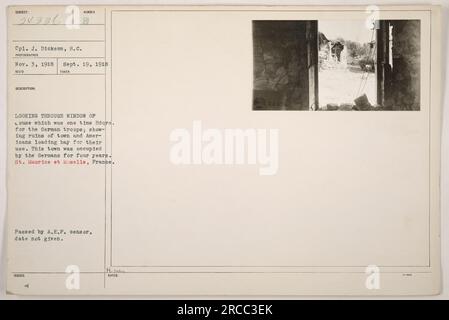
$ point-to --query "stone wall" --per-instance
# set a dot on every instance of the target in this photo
(281, 79)
(405, 74)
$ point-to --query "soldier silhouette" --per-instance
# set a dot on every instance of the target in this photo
(337, 48)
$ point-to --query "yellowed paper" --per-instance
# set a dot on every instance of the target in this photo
(223, 150)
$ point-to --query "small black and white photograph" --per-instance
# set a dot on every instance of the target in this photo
(336, 65)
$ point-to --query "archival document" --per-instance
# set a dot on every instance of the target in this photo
(223, 150)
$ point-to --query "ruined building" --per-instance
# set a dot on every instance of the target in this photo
(286, 65)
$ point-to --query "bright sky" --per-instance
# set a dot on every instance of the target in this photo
(354, 30)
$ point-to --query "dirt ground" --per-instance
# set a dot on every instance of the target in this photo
(343, 85)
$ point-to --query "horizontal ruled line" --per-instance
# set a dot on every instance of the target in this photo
(58, 24)
(226, 272)
(59, 74)
(53, 40)
(58, 57)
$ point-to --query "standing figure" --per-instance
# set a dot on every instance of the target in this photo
(337, 48)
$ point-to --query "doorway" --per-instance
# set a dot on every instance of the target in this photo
(336, 65)
(347, 72)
